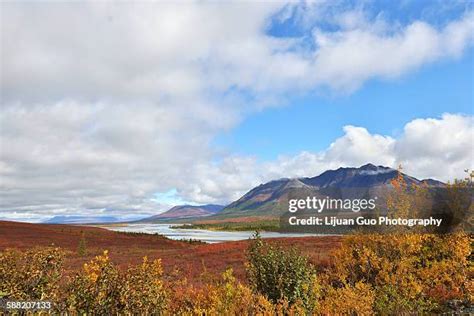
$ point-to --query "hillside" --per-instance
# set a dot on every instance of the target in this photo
(184, 212)
(271, 198)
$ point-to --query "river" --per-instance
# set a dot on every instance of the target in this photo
(208, 236)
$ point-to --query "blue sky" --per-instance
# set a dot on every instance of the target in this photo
(313, 121)
(310, 122)
(435, 12)
(129, 108)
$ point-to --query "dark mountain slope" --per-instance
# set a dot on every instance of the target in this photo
(271, 198)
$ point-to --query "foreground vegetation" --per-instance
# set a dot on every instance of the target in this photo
(369, 274)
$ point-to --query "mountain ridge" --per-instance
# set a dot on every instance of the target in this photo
(267, 198)
(184, 212)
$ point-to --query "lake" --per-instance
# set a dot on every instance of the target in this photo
(208, 236)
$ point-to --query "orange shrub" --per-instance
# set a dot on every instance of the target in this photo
(101, 289)
(227, 297)
(408, 273)
(348, 300)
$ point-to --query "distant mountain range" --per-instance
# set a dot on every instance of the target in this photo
(184, 212)
(79, 219)
(270, 199)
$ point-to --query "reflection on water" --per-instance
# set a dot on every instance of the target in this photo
(197, 234)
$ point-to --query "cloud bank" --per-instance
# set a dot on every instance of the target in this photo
(439, 148)
(105, 104)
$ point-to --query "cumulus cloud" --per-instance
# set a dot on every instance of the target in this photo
(105, 104)
(439, 148)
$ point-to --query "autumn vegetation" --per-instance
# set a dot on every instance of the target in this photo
(391, 273)
(369, 274)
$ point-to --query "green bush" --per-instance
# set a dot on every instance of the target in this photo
(82, 247)
(281, 275)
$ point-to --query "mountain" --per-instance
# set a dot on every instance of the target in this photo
(78, 219)
(271, 198)
(185, 212)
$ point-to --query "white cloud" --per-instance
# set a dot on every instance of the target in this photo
(439, 148)
(346, 59)
(160, 51)
(105, 104)
(85, 157)
(358, 146)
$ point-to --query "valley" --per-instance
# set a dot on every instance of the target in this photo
(191, 258)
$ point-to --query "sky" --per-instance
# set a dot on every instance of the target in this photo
(125, 109)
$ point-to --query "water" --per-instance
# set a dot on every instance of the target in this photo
(208, 236)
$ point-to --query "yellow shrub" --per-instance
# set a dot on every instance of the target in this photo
(96, 289)
(31, 275)
(101, 289)
(228, 297)
(409, 273)
(348, 300)
(141, 288)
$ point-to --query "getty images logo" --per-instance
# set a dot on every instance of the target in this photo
(318, 205)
